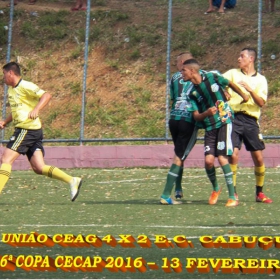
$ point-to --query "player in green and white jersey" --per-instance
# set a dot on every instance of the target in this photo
(209, 105)
(183, 131)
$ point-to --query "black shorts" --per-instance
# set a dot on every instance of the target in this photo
(181, 132)
(246, 129)
(26, 142)
(218, 142)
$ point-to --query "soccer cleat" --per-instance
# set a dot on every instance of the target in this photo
(231, 202)
(261, 197)
(236, 196)
(178, 194)
(75, 186)
(214, 196)
(169, 201)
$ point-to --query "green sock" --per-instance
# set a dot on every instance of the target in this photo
(178, 186)
(172, 175)
(211, 173)
(228, 176)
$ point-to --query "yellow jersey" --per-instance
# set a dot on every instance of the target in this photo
(256, 82)
(23, 99)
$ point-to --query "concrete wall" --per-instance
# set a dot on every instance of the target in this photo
(134, 156)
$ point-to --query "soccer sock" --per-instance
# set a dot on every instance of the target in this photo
(211, 173)
(178, 186)
(259, 175)
(5, 172)
(56, 173)
(233, 168)
(228, 176)
(172, 175)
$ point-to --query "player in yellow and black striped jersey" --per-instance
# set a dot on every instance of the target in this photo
(27, 100)
(247, 115)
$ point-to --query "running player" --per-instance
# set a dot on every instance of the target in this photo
(27, 100)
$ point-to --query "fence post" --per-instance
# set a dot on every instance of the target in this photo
(85, 72)
(168, 66)
(8, 57)
(260, 37)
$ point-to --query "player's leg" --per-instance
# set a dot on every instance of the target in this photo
(172, 176)
(175, 168)
(15, 147)
(225, 149)
(35, 154)
(233, 161)
(8, 157)
(237, 138)
(254, 144)
(38, 165)
(223, 160)
(185, 142)
(210, 152)
(259, 176)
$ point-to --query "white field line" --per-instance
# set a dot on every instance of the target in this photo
(163, 178)
(151, 226)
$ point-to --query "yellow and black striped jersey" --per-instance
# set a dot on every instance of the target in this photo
(23, 99)
(256, 82)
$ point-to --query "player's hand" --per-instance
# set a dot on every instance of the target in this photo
(245, 99)
(245, 85)
(227, 95)
(2, 124)
(33, 114)
(211, 111)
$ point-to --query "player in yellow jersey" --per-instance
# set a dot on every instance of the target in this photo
(27, 100)
(246, 121)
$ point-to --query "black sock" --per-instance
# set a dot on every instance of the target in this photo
(258, 190)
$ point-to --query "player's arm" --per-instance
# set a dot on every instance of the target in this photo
(235, 88)
(257, 99)
(201, 116)
(3, 123)
(44, 100)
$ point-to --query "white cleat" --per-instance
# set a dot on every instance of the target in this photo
(75, 186)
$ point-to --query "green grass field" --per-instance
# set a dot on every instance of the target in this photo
(126, 201)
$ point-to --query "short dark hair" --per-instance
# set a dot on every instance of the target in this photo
(182, 53)
(12, 66)
(190, 61)
(251, 51)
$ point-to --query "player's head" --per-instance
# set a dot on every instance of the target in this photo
(181, 58)
(11, 73)
(12, 66)
(190, 69)
(247, 57)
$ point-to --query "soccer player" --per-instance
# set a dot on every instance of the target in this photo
(246, 128)
(209, 105)
(27, 100)
(182, 129)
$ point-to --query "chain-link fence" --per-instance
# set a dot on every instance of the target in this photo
(108, 67)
